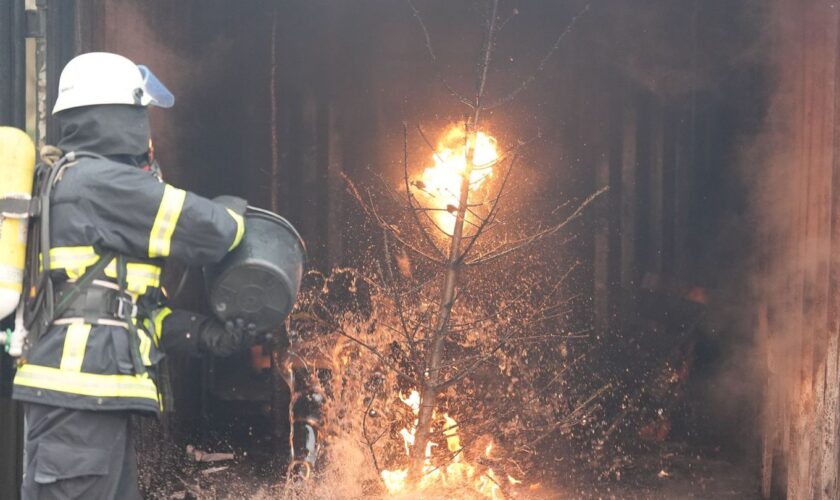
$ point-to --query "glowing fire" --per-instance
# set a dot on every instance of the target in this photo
(456, 474)
(439, 188)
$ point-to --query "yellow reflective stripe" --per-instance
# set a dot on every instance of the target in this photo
(145, 347)
(160, 315)
(87, 384)
(138, 276)
(72, 253)
(168, 213)
(240, 228)
(73, 260)
(144, 275)
(75, 342)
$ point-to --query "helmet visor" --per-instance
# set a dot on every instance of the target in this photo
(153, 90)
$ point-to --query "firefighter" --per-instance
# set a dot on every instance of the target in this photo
(110, 224)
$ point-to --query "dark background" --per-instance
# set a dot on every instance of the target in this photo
(655, 98)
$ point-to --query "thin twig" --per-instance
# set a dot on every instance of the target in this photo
(410, 197)
(470, 369)
(522, 86)
(568, 420)
(383, 359)
(493, 211)
(481, 75)
(523, 242)
(500, 412)
(502, 24)
(372, 213)
(515, 301)
(433, 57)
(396, 298)
(365, 432)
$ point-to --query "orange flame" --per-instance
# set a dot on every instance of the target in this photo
(456, 474)
(439, 187)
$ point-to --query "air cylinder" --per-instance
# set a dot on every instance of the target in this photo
(17, 166)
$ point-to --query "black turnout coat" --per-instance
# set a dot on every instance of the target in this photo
(113, 204)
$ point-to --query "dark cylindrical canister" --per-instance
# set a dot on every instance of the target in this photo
(260, 279)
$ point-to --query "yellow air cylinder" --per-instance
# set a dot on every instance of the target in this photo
(17, 166)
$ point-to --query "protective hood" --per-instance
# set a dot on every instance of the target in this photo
(118, 131)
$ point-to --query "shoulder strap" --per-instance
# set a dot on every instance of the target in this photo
(43, 309)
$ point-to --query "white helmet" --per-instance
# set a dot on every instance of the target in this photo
(105, 78)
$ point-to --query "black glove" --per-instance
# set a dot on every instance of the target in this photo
(225, 339)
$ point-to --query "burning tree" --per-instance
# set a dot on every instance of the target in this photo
(451, 327)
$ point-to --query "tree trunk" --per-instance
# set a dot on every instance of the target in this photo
(431, 374)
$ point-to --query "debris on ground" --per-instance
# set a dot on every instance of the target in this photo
(203, 456)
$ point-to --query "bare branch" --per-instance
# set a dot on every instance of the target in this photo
(397, 299)
(370, 443)
(481, 82)
(507, 339)
(470, 369)
(457, 95)
(383, 359)
(495, 202)
(502, 24)
(569, 419)
(493, 211)
(410, 197)
(523, 242)
(501, 412)
(428, 142)
(373, 214)
(515, 301)
(522, 86)
(542, 337)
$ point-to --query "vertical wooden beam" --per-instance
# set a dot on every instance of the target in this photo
(669, 204)
(309, 176)
(769, 411)
(818, 129)
(629, 163)
(602, 245)
(274, 121)
(644, 156)
(829, 482)
(335, 217)
(655, 219)
(807, 55)
(61, 47)
(798, 455)
(615, 158)
(321, 189)
(683, 164)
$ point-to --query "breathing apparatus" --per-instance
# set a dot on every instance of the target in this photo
(26, 288)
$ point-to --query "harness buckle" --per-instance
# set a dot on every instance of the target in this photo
(125, 305)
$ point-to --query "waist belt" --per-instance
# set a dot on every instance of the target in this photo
(101, 300)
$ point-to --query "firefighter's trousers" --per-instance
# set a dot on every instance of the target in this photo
(79, 454)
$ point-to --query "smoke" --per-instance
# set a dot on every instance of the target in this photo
(788, 167)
